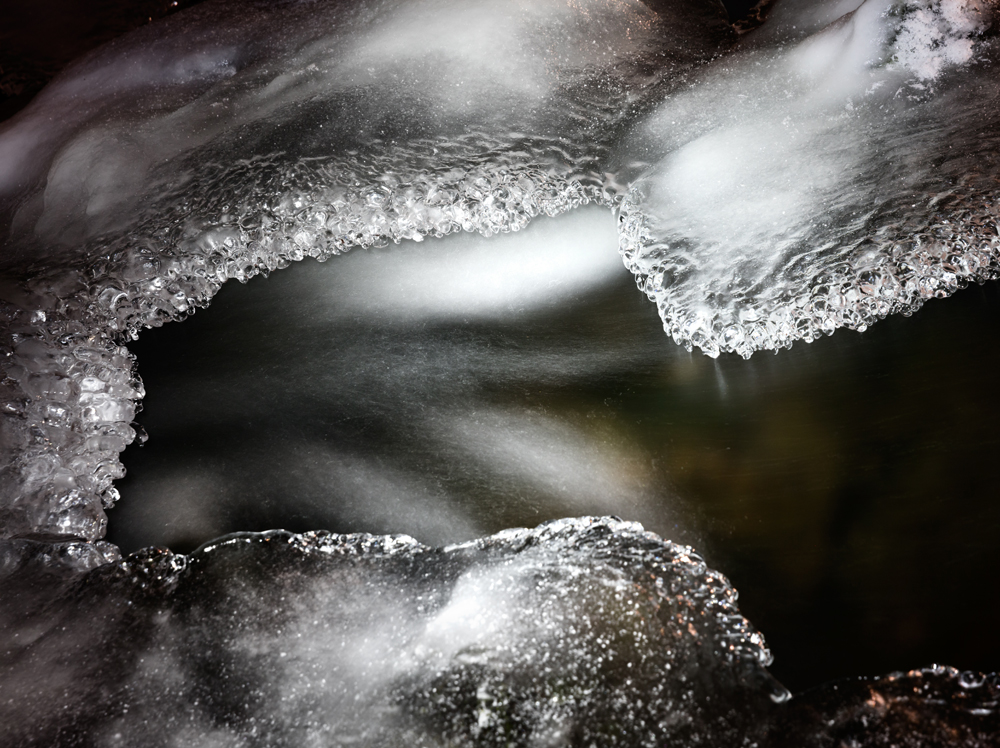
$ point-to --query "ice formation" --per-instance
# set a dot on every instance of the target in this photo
(234, 139)
(806, 184)
(579, 632)
(827, 169)
(831, 167)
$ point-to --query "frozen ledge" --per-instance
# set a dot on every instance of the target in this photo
(823, 175)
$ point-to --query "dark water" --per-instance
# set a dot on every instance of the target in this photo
(845, 487)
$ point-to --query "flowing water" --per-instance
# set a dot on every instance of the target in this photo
(482, 360)
(823, 481)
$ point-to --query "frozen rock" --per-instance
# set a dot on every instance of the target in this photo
(583, 632)
(578, 632)
(806, 184)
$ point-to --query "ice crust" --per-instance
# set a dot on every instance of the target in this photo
(836, 165)
(799, 187)
(578, 632)
(584, 631)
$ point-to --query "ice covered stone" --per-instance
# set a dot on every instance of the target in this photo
(579, 632)
(824, 179)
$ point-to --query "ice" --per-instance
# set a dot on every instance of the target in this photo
(834, 166)
(233, 139)
(222, 93)
(577, 631)
(797, 188)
